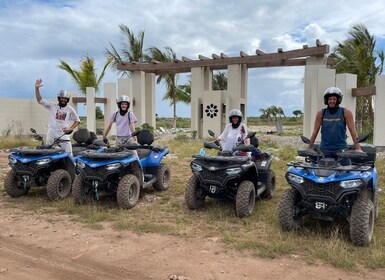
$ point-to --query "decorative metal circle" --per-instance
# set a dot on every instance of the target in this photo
(211, 110)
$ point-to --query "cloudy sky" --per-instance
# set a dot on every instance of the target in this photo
(36, 34)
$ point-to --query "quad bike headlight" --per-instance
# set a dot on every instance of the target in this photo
(351, 183)
(233, 171)
(295, 178)
(12, 160)
(43, 161)
(113, 166)
(196, 167)
(80, 164)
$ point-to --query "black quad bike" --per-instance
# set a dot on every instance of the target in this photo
(227, 176)
(324, 189)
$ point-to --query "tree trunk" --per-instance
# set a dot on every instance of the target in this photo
(174, 105)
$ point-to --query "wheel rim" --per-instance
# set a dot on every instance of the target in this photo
(371, 225)
(131, 193)
(251, 198)
(62, 186)
(166, 178)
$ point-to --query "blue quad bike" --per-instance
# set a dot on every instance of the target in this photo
(239, 178)
(44, 166)
(117, 170)
(324, 189)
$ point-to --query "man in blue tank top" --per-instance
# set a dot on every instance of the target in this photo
(333, 121)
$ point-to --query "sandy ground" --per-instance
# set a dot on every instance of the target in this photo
(51, 246)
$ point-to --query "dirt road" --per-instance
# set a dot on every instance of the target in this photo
(51, 246)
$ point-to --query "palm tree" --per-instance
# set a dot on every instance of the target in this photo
(358, 55)
(86, 76)
(132, 50)
(173, 93)
(184, 92)
(220, 81)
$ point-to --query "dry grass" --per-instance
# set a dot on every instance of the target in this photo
(166, 213)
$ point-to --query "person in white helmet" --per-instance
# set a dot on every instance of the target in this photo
(333, 121)
(125, 121)
(62, 116)
(235, 132)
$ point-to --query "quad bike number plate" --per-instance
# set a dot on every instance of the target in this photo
(320, 205)
(213, 188)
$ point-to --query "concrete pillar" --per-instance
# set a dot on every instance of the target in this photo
(237, 89)
(379, 113)
(71, 103)
(91, 115)
(125, 88)
(317, 79)
(74, 105)
(212, 112)
(196, 96)
(110, 107)
(346, 82)
(138, 96)
(150, 110)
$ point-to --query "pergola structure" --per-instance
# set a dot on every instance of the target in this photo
(209, 108)
(222, 61)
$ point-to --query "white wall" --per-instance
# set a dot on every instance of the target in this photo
(22, 114)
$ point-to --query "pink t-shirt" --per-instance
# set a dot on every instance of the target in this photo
(123, 127)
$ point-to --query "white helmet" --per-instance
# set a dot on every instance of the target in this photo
(333, 91)
(235, 112)
(63, 94)
(123, 98)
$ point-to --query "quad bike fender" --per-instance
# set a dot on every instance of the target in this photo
(263, 166)
(154, 158)
(135, 168)
(69, 165)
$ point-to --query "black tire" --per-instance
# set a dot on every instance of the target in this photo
(163, 176)
(270, 186)
(191, 194)
(362, 221)
(286, 209)
(245, 199)
(128, 191)
(80, 193)
(59, 185)
(375, 203)
(11, 185)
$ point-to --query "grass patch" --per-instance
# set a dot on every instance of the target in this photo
(165, 213)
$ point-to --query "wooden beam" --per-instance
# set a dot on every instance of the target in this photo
(364, 91)
(84, 100)
(243, 54)
(177, 60)
(304, 46)
(215, 56)
(223, 63)
(318, 43)
(280, 50)
(259, 52)
(155, 61)
(202, 57)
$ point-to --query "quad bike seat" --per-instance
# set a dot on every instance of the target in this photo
(145, 139)
(83, 138)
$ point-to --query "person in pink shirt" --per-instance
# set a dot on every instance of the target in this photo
(124, 119)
